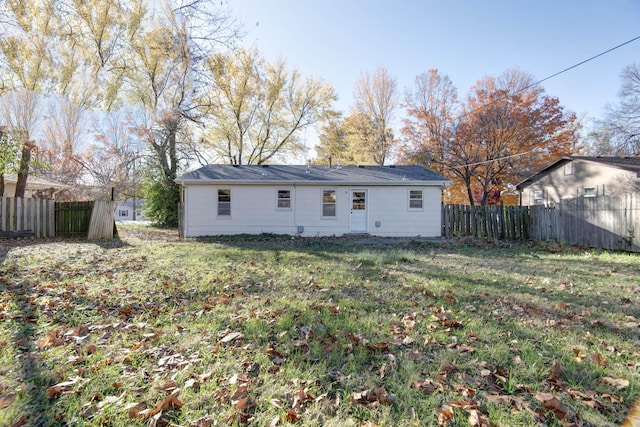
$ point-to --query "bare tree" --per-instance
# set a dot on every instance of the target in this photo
(258, 109)
(618, 133)
(376, 97)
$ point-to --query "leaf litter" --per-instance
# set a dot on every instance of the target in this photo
(168, 337)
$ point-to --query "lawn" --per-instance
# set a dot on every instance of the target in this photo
(272, 330)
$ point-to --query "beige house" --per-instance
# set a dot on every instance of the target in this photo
(581, 176)
(36, 187)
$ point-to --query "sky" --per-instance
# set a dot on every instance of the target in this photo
(337, 40)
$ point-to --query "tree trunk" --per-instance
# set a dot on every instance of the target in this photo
(23, 173)
(1, 185)
(469, 192)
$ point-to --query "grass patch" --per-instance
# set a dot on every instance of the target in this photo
(269, 330)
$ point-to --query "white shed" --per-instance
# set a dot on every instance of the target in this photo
(312, 200)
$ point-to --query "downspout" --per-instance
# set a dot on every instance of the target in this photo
(295, 211)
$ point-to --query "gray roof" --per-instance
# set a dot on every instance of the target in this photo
(631, 164)
(302, 174)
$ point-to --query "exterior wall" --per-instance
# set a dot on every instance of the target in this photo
(124, 211)
(254, 211)
(10, 191)
(556, 185)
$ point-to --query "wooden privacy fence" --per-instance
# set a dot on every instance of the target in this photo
(73, 218)
(21, 215)
(93, 219)
(605, 222)
(486, 222)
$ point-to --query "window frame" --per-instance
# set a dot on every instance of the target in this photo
(411, 199)
(538, 197)
(220, 203)
(283, 199)
(333, 203)
(568, 168)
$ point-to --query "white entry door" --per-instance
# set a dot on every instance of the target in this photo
(359, 211)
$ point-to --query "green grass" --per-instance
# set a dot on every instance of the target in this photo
(270, 330)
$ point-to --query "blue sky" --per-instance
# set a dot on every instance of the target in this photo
(467, 40)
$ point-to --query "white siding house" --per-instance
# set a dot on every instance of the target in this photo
(312, 201)
(128, 210)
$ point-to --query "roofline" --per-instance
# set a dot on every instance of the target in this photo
(525, 183)
(408, 182)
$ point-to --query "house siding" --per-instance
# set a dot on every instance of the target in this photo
(556, 185)
(254, 211)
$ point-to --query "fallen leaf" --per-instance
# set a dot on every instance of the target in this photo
(22, 421)
(445, 415)
(478, 419)
(552, 403)
(599, 359)
(232, 336)
(53, 391)
(373, 397)
(293, 416)
(427, 386)
(6, 400)
(169, 403)
(618, 383)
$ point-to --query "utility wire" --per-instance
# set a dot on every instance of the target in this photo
(583, 62)
(491, 160)
(553, 75)
(530, 86)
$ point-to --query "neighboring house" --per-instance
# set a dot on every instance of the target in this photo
(312, 200)
(128, 210)
(580, 176)
(36, 187)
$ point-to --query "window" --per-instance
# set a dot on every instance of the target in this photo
(538, 197)
(590, 191)
(224, 202)
(359, 201)
(284, 199)
(415, 199)
(123, 213)
(568, 168)
(329, 203)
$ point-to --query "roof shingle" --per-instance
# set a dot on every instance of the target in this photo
(313, 174)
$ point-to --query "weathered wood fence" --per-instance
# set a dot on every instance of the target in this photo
(605, 222)
(20, 217)
(486, 222)
(27, 215)
(73, 218)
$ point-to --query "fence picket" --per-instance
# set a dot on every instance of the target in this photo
(606, 222)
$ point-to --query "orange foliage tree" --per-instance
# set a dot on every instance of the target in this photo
(505, 131)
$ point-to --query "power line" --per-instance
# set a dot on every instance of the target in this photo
(552, 76)
(491, 160)
(583, 62)
(530, 86)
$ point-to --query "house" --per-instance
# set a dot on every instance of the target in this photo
(580, 176)
(312, 200)
(128, 210)
(36, 187)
